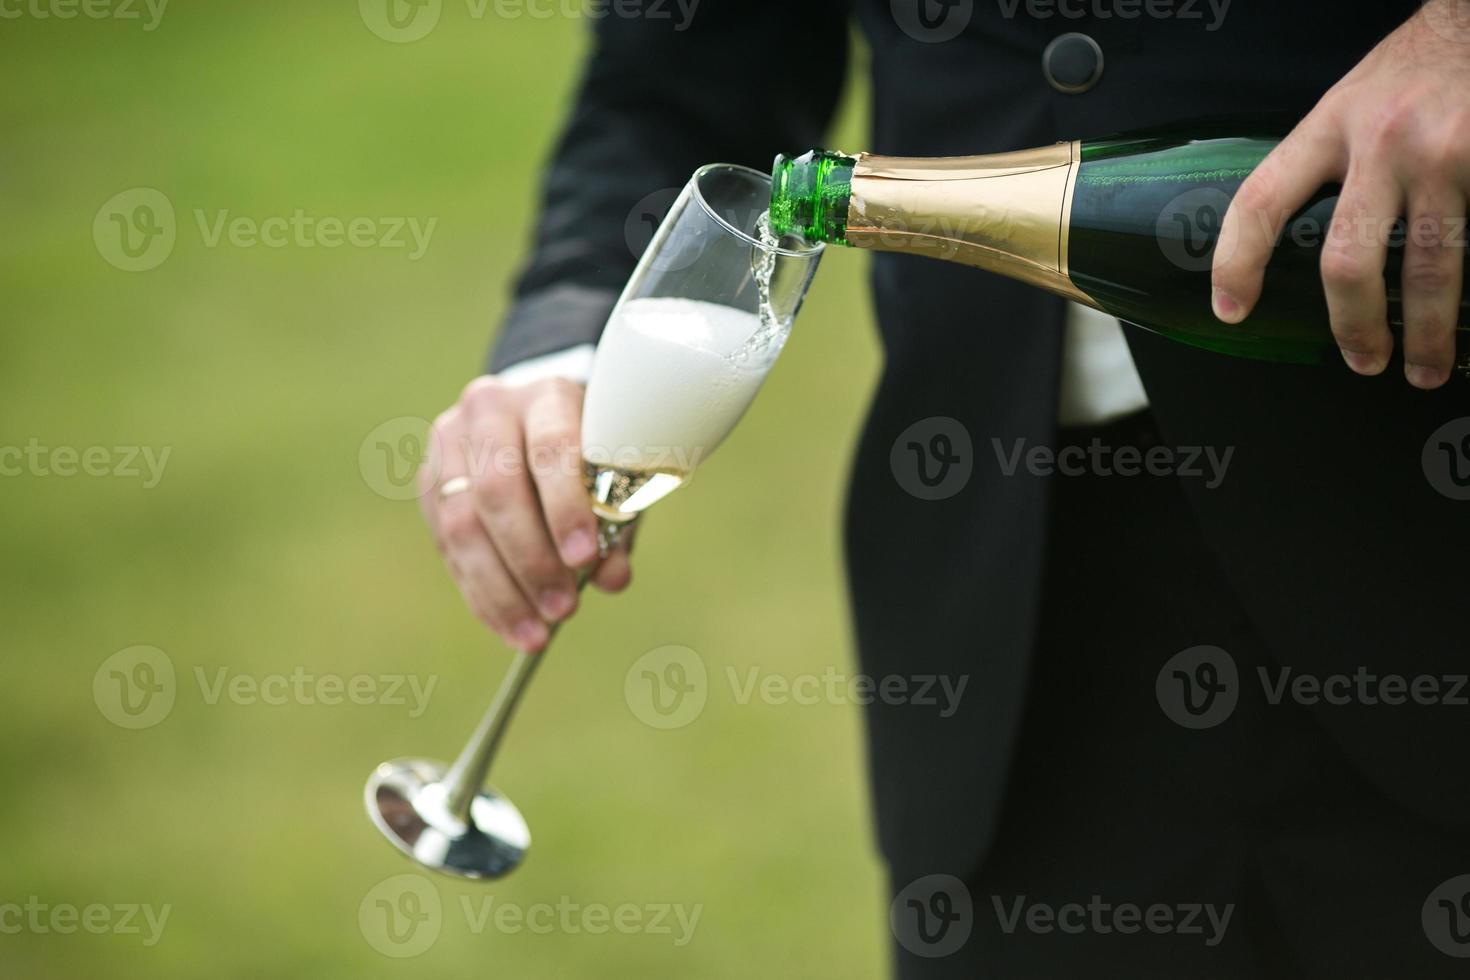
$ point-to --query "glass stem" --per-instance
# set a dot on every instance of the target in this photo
(465, 779)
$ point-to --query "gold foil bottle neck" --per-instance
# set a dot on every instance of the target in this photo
(1007, 213)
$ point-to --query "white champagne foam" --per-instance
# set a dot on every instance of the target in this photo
(669, 383)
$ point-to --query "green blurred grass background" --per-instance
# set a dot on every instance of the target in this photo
(264, 550)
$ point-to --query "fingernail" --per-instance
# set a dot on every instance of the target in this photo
(579, 547)
(1423, 376)
(1363, 363)
(530, 634)
(1226, 308)
(556, 604)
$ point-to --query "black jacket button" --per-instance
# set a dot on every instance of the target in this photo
(1073, 63)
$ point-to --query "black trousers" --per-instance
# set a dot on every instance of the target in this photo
(1237, 844)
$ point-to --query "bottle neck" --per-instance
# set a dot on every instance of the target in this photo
(1008, 213)
(810, 196)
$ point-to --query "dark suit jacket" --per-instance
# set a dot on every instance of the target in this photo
(1343, 553)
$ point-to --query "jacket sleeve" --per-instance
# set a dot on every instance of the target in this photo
(682, 84)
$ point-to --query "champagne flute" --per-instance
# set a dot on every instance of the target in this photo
(689, 343)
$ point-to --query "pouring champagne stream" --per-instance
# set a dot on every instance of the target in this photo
(697, 329)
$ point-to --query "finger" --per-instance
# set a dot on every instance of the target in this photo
(510, 512)
(615, 572)
(554, 448)
(487, 587)
(431, 470)
(1434, 256)
(1311, 156)
(1352, 266)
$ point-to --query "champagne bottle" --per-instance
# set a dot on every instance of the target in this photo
(1128, 226)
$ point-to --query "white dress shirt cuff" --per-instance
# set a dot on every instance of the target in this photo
(574, 364)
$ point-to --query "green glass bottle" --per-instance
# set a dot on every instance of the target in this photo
(1128, 226)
